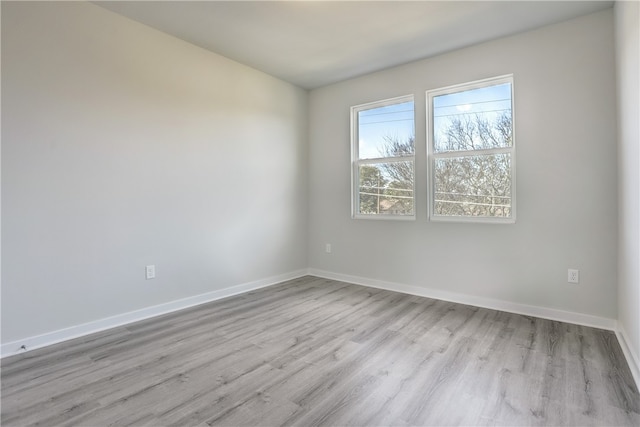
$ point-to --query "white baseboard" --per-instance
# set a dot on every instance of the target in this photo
(494, 304)
(54, 337)
(632, 357)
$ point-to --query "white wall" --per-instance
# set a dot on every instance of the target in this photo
(627, 20)
(566, 177)
(122, 147)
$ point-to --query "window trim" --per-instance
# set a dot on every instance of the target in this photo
(432, 156)
(356, 162)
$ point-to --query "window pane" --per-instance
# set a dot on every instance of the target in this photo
(475, 119)
(386, 188)
(473, 186)
(386, 131)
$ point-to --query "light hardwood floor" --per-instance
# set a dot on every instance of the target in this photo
(319, 352)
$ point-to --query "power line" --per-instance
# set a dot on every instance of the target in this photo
(387, 112)
(473, 103)
(473, 112)
(386, 121)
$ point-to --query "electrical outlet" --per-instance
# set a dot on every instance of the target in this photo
(573, 276)
(327, 248)
(150, 272)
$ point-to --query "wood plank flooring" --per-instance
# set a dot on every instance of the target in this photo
(316, 352)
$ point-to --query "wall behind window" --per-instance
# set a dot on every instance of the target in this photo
(566, 177)
(122, 147)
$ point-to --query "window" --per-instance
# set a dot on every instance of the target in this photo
(471, 151)
(382, 144)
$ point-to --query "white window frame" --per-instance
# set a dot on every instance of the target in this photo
(432, 155)
(356, 162)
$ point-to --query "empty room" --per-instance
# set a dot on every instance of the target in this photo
(327, 213)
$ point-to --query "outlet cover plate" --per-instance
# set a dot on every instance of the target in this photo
(150, 272)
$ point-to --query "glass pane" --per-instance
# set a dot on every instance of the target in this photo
(386, 189)
(475, 119)
(473, 186)
(386, 131)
